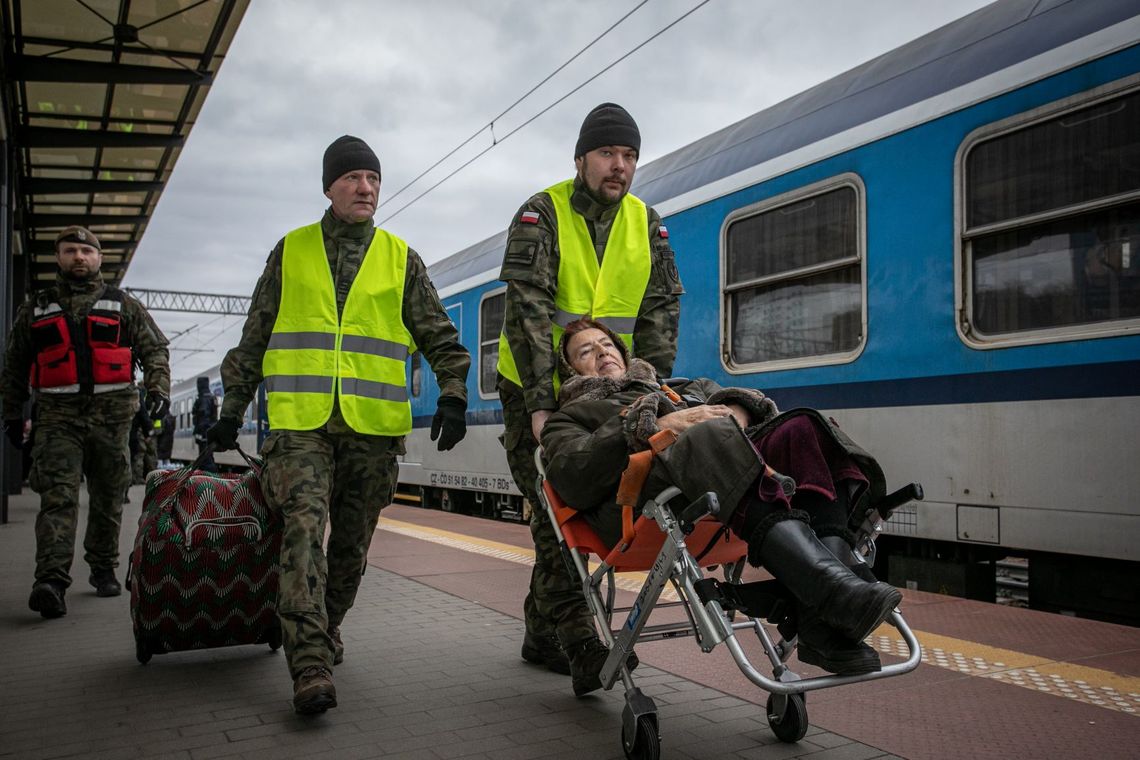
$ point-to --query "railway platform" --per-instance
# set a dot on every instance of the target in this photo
(432, 671)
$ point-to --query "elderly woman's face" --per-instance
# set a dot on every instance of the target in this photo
(593, 354)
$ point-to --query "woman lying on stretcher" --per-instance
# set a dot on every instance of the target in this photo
(610, 405)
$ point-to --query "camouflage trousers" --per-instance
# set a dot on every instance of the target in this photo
(318, 479)
(67, 447)
(555, 603)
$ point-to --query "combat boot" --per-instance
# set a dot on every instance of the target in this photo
(313, 690)
(821, 645)
(545, 650)
(586, 660)
(105, 583)
(338, 645)
(47, 599)
(791, 552)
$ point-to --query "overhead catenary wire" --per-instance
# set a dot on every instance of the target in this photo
(504, 138)
(491, 124)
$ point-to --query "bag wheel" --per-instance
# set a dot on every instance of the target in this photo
(791, 724)
(647, 742)
(142, 651)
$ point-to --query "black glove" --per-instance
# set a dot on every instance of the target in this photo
(14, 429)
(223, 434)
(449, 424)
(157, 405)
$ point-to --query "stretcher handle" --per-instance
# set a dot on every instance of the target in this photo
(895, 499)
(706, 504)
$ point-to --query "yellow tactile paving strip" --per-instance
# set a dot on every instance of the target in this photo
(1058, 678)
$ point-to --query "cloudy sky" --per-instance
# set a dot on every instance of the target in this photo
(415, 78)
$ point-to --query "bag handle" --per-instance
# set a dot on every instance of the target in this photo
(186, 470)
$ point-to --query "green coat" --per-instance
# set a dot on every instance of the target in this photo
(587, 444)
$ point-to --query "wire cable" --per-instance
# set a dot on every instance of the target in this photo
(491, 124)
(504, 138)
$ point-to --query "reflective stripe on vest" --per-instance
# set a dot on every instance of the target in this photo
(611, 292)
(314, 359)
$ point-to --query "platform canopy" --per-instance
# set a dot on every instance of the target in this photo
(99, 97)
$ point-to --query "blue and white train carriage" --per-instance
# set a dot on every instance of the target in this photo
(940, 248)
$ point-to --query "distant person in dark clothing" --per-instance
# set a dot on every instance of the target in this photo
(140, 429)
(165, 440)
(205, 414)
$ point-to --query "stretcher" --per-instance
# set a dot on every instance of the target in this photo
(675, 546)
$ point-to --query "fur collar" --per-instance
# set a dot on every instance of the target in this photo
(640, 375)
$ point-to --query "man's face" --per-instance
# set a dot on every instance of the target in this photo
(78, 260)
(591, 353)
(353, 195)
(608, 171)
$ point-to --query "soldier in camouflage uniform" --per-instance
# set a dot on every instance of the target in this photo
(76, 343)
(332, 470)
(558, 622)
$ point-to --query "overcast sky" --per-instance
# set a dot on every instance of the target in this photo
(415, 78)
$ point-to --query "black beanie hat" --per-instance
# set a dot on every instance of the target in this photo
(607, 124)
(345, 154)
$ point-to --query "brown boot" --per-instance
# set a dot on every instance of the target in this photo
(338, 645)
(313, 690)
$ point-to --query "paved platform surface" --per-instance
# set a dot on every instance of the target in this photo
(427, 674)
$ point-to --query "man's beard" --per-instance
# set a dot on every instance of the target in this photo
(599, 198)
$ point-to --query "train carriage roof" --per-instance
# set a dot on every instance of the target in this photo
(981, 43)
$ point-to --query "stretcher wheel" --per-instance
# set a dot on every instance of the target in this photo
(646, 743)
(142, 651)
(793, 723)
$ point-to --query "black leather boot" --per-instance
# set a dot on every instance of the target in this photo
(839, 546)
(821, 645)
(47, 599)
(586, 660)
(791, 552)
(545, 650)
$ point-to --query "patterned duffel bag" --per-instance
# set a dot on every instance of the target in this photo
(206, 559)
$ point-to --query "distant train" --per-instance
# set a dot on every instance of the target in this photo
(940, 248)
(182, 397)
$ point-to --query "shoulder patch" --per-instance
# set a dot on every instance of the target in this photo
(528, 217)
(663, 232)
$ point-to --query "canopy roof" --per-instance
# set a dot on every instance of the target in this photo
(99, 97)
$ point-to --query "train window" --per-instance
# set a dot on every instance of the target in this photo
(491, 310)
(793, 278)
(1051, 210)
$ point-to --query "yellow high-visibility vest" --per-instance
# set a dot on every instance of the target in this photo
(610, 293)
(314, 358)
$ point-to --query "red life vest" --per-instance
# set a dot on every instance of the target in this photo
(90, 356)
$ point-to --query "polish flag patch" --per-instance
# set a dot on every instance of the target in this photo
(529, 217)
(664, 232)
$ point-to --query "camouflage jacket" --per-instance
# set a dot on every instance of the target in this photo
(530, 269)
(345, 244)
(148, 347)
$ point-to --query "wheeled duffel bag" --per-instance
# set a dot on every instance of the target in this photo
(204, 568)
